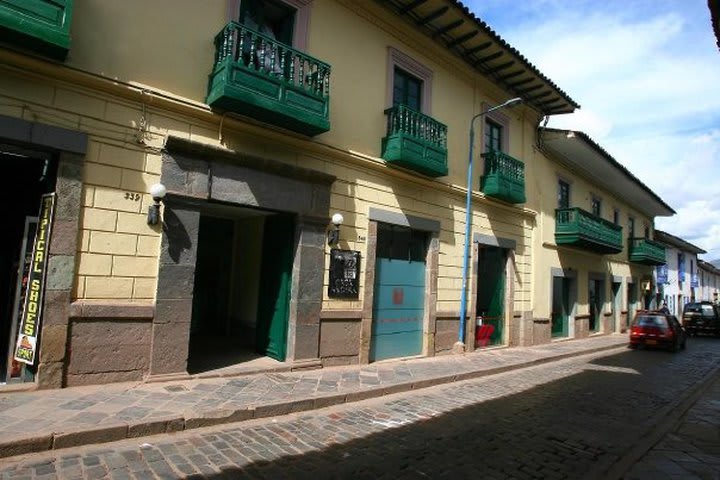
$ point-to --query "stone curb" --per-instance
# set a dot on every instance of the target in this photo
(191, 420)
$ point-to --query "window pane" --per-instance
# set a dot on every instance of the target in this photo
(407, 89)
(563, 194)
(493, 136)
(269, 17)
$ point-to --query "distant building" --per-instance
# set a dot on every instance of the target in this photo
(596, 246)
(678, 280)
(709, 282)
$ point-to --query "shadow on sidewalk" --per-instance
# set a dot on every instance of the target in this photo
(570, 427)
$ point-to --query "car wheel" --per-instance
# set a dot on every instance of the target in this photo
(683, 344)
(675, 346)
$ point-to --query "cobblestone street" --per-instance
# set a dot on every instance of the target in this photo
(571, 418)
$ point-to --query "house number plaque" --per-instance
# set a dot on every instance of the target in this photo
(344, 274)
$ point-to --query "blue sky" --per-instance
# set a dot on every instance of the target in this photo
(647, 75)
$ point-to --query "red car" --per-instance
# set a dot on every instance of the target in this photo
(652, 328)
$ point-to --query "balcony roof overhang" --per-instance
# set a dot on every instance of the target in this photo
(580, 153)
(455, 27)
(677, 242)
(708, 267)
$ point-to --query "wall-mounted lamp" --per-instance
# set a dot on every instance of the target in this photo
(157, 192)
(334, 234)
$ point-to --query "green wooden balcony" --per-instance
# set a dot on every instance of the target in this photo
(415, 141)
(577, 228)
(504, 177)
(646, 251)
(259, 77)
(40, 26)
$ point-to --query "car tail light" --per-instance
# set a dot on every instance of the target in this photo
(645, 330)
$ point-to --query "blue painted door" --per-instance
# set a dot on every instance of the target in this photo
(399, 295)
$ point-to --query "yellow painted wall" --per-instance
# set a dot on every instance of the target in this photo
(167, 46)
(542, 195)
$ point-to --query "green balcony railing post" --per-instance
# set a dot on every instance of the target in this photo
(579, 228)
(40, 26)
(260, 77)
(504, 177)
(646, 251)
(416, 141)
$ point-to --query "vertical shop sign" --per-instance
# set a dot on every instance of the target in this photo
(26, 347)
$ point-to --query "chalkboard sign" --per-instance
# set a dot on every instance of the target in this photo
(344, 274)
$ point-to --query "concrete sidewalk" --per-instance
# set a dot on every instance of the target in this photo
(50, 419)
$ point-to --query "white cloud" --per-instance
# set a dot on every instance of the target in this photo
(646, 74)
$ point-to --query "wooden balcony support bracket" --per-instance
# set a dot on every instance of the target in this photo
(433, 16)
(478, 48)
(450, 26)
(510, 75)
(412, 6)
(462, 39)
(502, 66)
(529, 89)
(490, 57)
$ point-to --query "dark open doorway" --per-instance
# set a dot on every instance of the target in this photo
(242, 288)
(31, 174)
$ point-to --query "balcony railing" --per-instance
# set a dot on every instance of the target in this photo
(41, 26)
(578, 228)
(646, 251)
(504, 177)
(415, 141)
(259, 77)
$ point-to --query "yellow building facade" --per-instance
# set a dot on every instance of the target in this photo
(263, 120)
(595, 238)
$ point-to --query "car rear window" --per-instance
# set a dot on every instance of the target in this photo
(650, 321)
(702, 308)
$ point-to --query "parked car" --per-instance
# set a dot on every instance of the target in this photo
(653, 328)
(701, 317)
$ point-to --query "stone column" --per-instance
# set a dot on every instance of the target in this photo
(176, 276)
(368, 297)
(306, 293)
(431, 281)
(61, 272)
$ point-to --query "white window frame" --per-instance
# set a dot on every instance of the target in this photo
(302, 19)
(396, 58)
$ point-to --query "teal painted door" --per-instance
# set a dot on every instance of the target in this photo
(274, 296)
(491, 290)
(560, 306)
(399, 294)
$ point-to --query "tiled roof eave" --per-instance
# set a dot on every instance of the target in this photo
(452, 24)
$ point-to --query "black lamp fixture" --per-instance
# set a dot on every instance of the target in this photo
(334, 234)
(157, 192)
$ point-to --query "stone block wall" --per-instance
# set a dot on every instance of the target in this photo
(582, 326)
(541, 331)
(340, 338)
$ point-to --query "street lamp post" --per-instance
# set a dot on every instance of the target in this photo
(468, 218)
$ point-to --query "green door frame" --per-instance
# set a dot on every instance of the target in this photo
(275, 280)
(560, 307)
(490, 304)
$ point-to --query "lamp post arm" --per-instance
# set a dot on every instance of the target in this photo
(468, 217)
